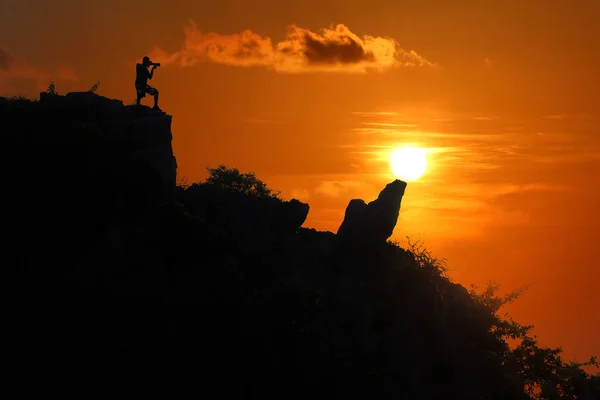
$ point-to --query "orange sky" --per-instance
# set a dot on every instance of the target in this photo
(505, 95)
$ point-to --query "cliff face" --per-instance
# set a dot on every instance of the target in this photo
(120, 290)
(83, 131)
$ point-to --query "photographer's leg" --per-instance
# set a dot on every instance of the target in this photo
(153, 92)
(155, 98)
(156, 107)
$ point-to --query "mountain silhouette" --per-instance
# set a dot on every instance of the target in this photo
(130, 285)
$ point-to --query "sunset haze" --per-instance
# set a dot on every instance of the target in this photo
(314, 97)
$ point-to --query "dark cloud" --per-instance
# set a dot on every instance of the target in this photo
(346, 50)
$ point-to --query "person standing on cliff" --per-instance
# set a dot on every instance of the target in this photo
(141, 81)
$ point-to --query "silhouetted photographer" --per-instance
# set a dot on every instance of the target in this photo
(141, 81)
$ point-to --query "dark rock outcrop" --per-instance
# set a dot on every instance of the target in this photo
(373, 223)
(257, 224)
(109, 139)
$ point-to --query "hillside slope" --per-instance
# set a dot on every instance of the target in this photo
(129, 286)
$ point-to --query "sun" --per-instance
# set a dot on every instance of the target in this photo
(408, 163)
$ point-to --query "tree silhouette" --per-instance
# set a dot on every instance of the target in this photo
(231, 179)
(545, 375)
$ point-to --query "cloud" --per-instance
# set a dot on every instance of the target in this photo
(569, 116)
(570, 158)
(332, 49)
(263, 121)
(503, 189)
(487, 118)
(13, 69)
(329, 188)
(487, 61)
(301, 194)
(376, 113)
(346, 188)
(66, 73)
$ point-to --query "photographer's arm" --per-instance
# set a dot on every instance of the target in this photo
(151, 73)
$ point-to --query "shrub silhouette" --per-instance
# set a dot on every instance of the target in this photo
(21, 99)
(545, 375)
(232, 180)
(94, 88)
(182, 183)
(425, 260)
(52, 89)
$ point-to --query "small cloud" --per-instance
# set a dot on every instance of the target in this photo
(566, 158)
(568, 116)
(443, 120)
(390, 125)
(334, 49)
(376, 113)
(553, 116)
(346, 188)
(486, 118)
(329, 188)
(487, 61)
(66, 73)
(301, 194)
(263, 121)
(509, 188)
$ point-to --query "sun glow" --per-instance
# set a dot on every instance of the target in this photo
(408, 163)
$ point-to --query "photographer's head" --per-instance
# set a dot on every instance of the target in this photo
(146, 61)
